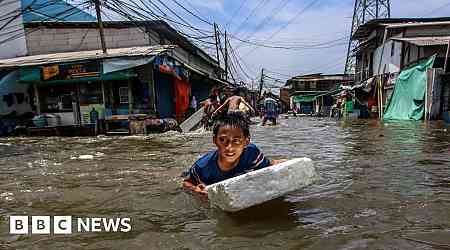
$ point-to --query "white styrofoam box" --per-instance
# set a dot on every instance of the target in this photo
(262, 185)
(192, 121)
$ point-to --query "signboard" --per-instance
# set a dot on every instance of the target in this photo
(70, 71)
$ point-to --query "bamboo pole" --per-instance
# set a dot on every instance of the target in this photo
(381, 99)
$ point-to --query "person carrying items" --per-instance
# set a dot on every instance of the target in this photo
(236, 104)
(270, 110)
(210, 106)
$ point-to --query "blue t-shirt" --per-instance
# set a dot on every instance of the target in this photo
(206, 169)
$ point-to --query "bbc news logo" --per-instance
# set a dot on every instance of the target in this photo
(65, 225)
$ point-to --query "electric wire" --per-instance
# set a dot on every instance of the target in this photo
(243, 2)
(25, 33)
(193, 14)
(281, 6)
(261, 3)
(303, 10)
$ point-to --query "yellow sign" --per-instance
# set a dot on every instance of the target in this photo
(50, 71)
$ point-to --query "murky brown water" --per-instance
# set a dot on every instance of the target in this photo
(382, 186)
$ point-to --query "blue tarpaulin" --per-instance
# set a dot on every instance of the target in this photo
(55, 10)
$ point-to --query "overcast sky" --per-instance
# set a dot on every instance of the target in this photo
(292, 23)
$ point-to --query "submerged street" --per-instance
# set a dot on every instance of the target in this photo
(383, 186)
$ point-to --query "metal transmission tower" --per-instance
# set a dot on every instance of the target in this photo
(365, 10)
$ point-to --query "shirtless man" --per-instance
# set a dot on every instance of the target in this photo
(236, 104)
(210, 106)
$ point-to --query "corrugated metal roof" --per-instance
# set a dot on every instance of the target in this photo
(424, 41)
(83, 55)
(364, 30)
(416, 24)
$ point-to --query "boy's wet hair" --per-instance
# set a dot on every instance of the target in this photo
(234, 120)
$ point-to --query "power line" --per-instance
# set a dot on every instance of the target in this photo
(195, 9)
(281, 6)
(154, 15)
(175, 14)
(22, 34)
(236, 59)
(324, 45)
(119, 10)
(261, 3)
(303, 10)
(243, 2)
(193, 14)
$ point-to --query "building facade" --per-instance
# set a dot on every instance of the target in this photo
(149, 69)
(312, 94)
(389, 46)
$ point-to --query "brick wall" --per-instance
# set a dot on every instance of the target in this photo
(46, 40)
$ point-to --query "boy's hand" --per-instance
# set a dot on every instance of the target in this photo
(275, 162)
(201, 189)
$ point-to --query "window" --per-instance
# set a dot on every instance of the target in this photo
(123, 94)
(9, 99)
(20, 97)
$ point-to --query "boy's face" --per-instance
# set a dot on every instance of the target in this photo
(230, 143)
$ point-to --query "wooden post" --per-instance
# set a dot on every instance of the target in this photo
(36, 95)
(130, 97)
(152, 89)
(381, 99)
(380, 93)
(446, 56)
(427, 88)
(103, 93)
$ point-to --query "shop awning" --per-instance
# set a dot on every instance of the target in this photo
(304, 98)
(118, 64)
(424, 41)
(33, 75)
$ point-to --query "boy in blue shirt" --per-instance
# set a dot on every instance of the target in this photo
(235, 155)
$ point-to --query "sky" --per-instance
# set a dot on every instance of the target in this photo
(317, 29)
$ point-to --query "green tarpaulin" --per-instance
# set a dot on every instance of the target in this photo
(408, 100)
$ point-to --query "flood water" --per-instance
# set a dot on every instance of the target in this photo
(382, 186)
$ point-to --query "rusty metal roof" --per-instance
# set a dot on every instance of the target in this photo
(424, 41)
(83, 55)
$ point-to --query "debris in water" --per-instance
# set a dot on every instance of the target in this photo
(86, 157)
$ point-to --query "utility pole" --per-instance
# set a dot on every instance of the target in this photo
(217, 44)
(100, 25)
(364, 11)
(261, 83)
(226, 56)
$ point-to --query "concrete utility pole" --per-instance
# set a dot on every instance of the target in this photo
(217, 44)
(100, 25)
(226, 56)
(261, 83)
(364, 11)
